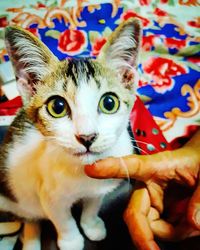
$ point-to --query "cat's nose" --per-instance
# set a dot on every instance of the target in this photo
(87, 140)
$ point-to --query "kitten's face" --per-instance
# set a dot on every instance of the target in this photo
(82, 107)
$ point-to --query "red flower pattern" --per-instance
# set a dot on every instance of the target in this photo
(3, 21)
(174, 43)
(160, 12)
(34, 31)
(148, 42)
(145, 2)
(161, 71)
(72, 42)
(41, 5)
(129, 14)
(96, 48)
(164, 1)
(195, 23)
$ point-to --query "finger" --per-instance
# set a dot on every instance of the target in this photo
(162, 229)
(166, 231)
(133, 166)
(135, 217)
(159, 227)
(181, 165)
(194, 209)
(153, 214)
(156, 193)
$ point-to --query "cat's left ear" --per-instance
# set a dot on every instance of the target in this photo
(121, 50)
(31, 59)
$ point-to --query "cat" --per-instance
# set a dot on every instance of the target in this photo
(74, 112)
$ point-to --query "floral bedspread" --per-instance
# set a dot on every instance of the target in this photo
(169, 62)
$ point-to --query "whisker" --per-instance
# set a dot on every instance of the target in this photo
(127, 173)
(139, 141)
(50, 138)
(142, 142)
(142, 150)
(65, 145)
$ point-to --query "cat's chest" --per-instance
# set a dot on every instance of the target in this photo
(57, 174)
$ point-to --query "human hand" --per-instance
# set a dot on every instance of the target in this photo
(143, 215)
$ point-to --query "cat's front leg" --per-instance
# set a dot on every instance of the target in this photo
(69, 237)
(31, 236)
(92, 225)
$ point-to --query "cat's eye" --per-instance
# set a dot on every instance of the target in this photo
(109, 103)
(57, 107)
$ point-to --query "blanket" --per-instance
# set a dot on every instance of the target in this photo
(168, 67)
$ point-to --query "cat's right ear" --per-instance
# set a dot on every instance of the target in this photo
(31, 59)
(121, 51)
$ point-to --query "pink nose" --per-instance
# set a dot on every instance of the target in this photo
(86, 140)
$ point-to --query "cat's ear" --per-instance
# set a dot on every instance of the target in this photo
(121, 50)
(31, 59)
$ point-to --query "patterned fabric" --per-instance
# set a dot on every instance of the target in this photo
(169, 59)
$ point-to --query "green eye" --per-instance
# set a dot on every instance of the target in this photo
(57, 107)
(109, 103)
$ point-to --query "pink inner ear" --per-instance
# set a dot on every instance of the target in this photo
(130, 77)
(24, 87)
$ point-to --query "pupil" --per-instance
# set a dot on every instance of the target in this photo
(108, 103)
(58, 106)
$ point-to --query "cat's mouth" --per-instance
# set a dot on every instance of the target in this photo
(88, 157)
(86, 153)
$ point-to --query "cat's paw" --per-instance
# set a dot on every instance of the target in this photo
(75, 243)
(94, 228)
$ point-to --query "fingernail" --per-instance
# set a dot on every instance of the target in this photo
(87, 169)
(90, 165)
